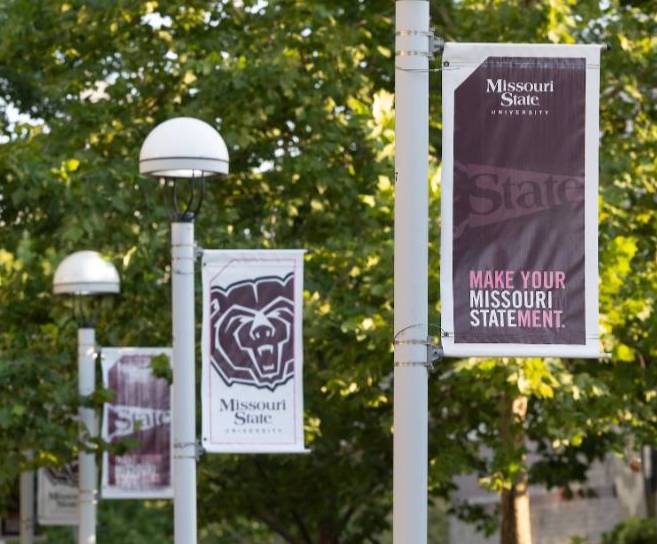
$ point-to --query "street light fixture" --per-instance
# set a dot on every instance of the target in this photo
(184, 150)
(86, 273)
(183, 147)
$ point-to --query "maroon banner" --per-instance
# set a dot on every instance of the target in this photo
(140, 411)
(518, 196)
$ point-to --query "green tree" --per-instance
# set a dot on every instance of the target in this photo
(301, 92)
(290, 86)
(578, 411)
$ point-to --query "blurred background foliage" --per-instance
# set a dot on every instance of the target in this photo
(301, 91)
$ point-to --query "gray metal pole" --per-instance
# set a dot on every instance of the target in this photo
(411, 270)
(88, 479)
(27, 505)
(184, 383)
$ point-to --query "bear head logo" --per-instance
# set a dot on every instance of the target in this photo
(252, 331)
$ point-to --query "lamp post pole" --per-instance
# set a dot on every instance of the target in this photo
(184, 386)
(411, 265)
(88, 480)
(187, 151)
(27, 505)
(86, 273)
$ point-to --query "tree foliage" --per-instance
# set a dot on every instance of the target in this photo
(302, 93)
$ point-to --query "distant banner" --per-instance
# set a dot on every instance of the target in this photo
(519, 248)
(140, 410)
(57, 496)
(252, 388)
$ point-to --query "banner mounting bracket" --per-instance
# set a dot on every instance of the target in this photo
(434, 352)
(198, 251)
(435, 45)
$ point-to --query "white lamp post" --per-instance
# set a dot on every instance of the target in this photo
(86, 273)
(411, 413)
(27, 504)
(191, 150)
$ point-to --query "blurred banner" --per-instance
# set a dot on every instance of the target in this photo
(519, 247)
(252, 389)
(57, 496)
(140, 411)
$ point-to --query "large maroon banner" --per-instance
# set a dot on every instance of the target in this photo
(519, 262)
(141, 411)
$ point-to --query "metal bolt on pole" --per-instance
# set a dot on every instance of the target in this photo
(88, 480)
(184, 383)
(410, 471)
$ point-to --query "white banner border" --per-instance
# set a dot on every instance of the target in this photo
(108, 357)
(298, 445)
(460, 60)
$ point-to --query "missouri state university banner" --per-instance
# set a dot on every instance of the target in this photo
(252, 389)
(140, 410)
(519, 262)
(57, 498)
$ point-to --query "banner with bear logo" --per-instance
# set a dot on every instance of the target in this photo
(519, 241)
(57, 497)
(252, 381)
(140, 411)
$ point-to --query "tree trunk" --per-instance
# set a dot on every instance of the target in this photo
(516, 521)
(327, 535)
